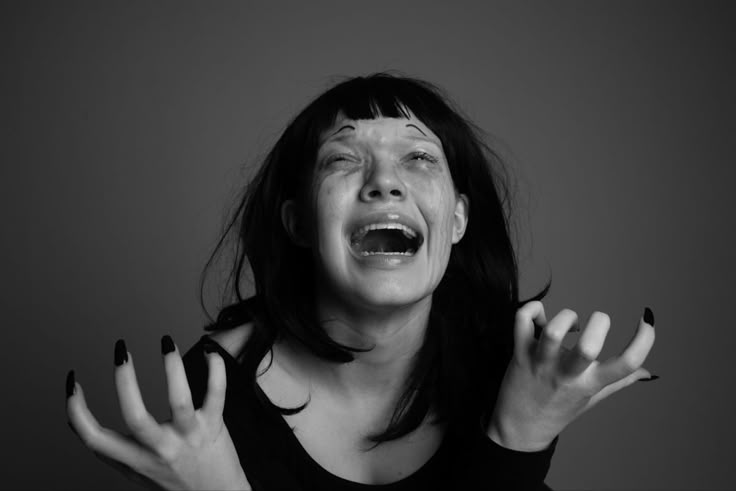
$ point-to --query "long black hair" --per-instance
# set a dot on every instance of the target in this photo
(469, 339)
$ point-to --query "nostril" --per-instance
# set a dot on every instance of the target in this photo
(395, 192)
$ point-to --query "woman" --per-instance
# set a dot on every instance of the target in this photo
(386, 346)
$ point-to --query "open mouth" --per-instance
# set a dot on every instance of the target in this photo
(393, 239)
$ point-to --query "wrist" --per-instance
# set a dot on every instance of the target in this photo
(508, 436)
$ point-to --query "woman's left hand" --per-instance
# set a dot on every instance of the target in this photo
(547, 386)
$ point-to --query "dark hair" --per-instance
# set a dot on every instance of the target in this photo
(469, 338)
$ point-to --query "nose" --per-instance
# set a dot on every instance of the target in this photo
(383, 183)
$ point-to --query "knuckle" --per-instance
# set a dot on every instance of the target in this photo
(93, 439)
(630, 362)
(536, 304)
(136, 423)
(89, 438)
(179, 406)
(553, 333)
(587, 352)
(525, 310)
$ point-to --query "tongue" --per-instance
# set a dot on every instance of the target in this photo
(384, 241)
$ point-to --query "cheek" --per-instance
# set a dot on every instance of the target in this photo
(329, 205)
(438, 207)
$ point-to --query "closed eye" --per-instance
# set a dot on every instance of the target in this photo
(337, 157)
(423, 156)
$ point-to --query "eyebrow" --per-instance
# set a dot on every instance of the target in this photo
(425, 138)
(332, 137)
(342, 128)
(409, 125)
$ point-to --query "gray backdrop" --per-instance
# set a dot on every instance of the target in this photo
(129, 127)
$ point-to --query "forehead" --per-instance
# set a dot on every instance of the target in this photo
(380, 129)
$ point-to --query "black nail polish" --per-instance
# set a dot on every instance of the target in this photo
(210, 348)
(167, 345)
(121, 352)
(70, 382)
(649, 316)
(648, 379)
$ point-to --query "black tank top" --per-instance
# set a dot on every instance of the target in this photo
(274, 459)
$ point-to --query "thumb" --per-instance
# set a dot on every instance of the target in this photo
(641, 373)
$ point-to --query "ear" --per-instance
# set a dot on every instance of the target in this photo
(292, 222)
(460, 219)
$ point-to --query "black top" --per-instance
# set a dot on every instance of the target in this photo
(273, 458)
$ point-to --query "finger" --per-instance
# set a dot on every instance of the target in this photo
(529, 315)
(630, 359)
(588, 347)
(618, 385)
(144, 428)
(180, 397)
(101, 440)
(550, 340)
(214, 401)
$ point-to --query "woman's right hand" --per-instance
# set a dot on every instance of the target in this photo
(192, 451)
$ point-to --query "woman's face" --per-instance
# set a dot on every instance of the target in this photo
(385, 212)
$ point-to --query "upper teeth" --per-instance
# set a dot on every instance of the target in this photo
(409, 233)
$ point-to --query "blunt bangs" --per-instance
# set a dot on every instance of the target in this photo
(375, 96)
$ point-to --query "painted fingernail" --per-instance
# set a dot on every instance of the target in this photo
(648, 379)
(649, 316)
(167, 345)
(121, 352)
(70, 384)
(210, 348)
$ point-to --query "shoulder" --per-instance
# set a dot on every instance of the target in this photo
(233, 340)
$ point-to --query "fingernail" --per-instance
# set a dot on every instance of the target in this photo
(648, 379)
(210, 348)
(121, 352)
(167, 345)
(70, 384)
(649, 316)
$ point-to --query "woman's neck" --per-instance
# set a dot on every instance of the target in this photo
(395, 335)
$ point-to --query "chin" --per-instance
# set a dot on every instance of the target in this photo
(388, 294)
(379, 286)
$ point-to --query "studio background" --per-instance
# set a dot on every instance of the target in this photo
(129, 127)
